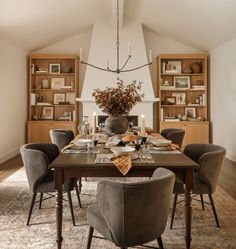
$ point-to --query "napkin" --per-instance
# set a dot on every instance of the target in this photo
(123, 163)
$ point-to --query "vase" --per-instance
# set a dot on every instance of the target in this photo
(196, 67)
(116, 124)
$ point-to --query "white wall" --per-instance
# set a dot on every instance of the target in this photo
(13, 99)
(223, 96)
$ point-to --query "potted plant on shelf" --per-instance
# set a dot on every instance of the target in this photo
(117, 102)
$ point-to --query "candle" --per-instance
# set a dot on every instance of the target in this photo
(94, 122)
(129, 48)
(81, 54)
(150, 56)
(142, 124)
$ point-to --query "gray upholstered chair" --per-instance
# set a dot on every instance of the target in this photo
(131, 214)
(61, 137)
(210, 158)
(175, 135)
(36, 158)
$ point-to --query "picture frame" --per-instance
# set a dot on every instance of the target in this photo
(57, 83)
(176, 66)
(182, 82)
(47, 112)
(170, 100)
(190, 112)
(180, 98)
(58, 97)
(54, 68)
(70, 97)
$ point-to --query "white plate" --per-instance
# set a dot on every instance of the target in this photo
(161, 142)
(122, 150)
(82, 141)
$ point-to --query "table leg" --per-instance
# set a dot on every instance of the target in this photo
(188, 207)
(59, 207)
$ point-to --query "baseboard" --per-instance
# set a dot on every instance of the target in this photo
(6, 156)
(231, 156)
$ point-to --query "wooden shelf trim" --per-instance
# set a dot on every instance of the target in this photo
(183, 106)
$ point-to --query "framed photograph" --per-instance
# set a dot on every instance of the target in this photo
(180, 98)
(48, 112)
(54, 68)
(182, 82)
(58, 97)
(170, 100)
(57, 83)
(176, 66)
(190, 112)
(70, 97)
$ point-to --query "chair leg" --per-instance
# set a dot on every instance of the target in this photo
(202, 201)
(90, 236)
(160, 244)
(31, 208)
(173, 210)
(80, 184)
(214, 209)
(71, 207)
(40, 200)
(78, 197)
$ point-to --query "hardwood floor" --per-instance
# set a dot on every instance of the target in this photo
(10, 167)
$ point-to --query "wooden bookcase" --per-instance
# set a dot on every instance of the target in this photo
(52, 91)
(183, 91)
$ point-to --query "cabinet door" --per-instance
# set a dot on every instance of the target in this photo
(197, 133)
(39, 132)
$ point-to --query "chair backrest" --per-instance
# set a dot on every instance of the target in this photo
(36, 157)
(210, 158)
(136, 212)
(61, 137)
(175, 135)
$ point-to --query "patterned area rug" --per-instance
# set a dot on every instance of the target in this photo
(14, 234)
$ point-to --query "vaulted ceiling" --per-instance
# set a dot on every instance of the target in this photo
(203, 24)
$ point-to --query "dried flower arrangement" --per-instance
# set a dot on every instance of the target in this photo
(120, 99)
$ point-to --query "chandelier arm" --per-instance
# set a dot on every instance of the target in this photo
(125, 62)
(117, 37)
(100, 68)
(133, 69)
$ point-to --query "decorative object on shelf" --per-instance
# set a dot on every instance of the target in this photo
(119, 69)
(180, 98)
(118, 101)
(173, 67)
(54, 68)
(166, 83)
(84, 127)
(45, 83)
(70, 97)
(190, 112)
(182, 82)
(58, 97)
(196, 67)
(170, 100)
(57, 83)
(66, 69)
(41, 70)
(187, 70)
(48, 112)
(184, 118)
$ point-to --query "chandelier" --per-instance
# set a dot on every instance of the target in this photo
(119, 69)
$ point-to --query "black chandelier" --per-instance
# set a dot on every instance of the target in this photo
(118, 69)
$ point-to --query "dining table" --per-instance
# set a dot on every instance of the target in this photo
(76, 165)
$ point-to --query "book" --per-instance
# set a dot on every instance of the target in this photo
(43, 103)
(172, 119)
(33, 99)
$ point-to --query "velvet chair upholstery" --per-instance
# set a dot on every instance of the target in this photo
(210, 159)
(36, 158)
(131, 214)
(61, 137)
(175, 135)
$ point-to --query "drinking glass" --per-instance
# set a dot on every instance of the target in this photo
(144, 138)
(95, 140)
(137, 144)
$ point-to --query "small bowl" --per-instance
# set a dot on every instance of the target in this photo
(122, 150)
(161, 142)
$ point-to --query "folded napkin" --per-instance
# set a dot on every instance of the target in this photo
(174, 146)
(123, 163)
(67, 147)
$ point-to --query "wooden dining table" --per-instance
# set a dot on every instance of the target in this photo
(77, 165)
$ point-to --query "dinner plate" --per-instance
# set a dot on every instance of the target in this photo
(82, 141)
(122, 150)
(161, 142)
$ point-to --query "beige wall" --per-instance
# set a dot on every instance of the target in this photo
(13, 99)
(223, 96)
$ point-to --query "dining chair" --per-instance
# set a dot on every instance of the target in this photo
(62, 138)
(175, 135)
(131, 214)
(36, 159)
(210, 159)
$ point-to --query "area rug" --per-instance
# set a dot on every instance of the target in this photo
(14, 234)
